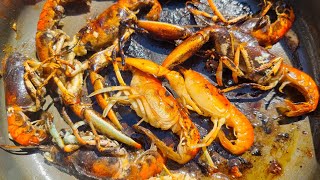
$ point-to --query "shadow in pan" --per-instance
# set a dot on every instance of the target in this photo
(315, 130)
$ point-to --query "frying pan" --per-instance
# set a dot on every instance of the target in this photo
(303, 151)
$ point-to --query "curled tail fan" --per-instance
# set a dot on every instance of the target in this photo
(306, 86)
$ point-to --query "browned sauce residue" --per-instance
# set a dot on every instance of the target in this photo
(275, 167)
